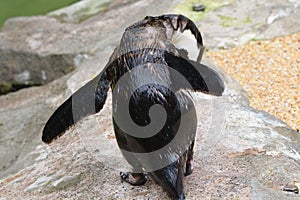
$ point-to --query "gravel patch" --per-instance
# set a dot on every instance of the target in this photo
(269, 71)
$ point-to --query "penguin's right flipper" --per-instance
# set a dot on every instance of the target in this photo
(89, 99)
(201, 77)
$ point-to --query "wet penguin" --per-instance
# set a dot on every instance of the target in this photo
(154, 117)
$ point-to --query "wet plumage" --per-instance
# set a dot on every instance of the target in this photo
(150, 61)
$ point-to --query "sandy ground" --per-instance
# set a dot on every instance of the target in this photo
(270, 72)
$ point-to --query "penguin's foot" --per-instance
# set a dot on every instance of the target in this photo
(133, 178)
(189, 167)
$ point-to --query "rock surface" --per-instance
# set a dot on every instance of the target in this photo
(241, 153)
(37, 50)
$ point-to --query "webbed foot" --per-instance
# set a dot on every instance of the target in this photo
(133, 178)
(189, 167)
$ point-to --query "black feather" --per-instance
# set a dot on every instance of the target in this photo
(87, 100)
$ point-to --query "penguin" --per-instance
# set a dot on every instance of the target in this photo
(154, 118)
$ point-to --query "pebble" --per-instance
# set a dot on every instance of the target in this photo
(269, 70)
(291, 188)
(199, 7)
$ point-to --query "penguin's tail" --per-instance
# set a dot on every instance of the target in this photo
(171, 179)
(89, 99)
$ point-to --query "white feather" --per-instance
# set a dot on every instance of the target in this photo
(187, 41)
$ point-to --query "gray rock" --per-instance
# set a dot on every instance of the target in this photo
(47, 44)
(37, 50)
(240, 153)
(40, 182)
(283, 22)
(66, 181)
(24, 57)
(80, 11)
(237, 22)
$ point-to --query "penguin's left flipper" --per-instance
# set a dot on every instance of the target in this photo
(200, 77)
(89, 99)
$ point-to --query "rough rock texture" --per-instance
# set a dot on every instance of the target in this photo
(241, 153)
(243, 20)
(27, 54)
(37, 50)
